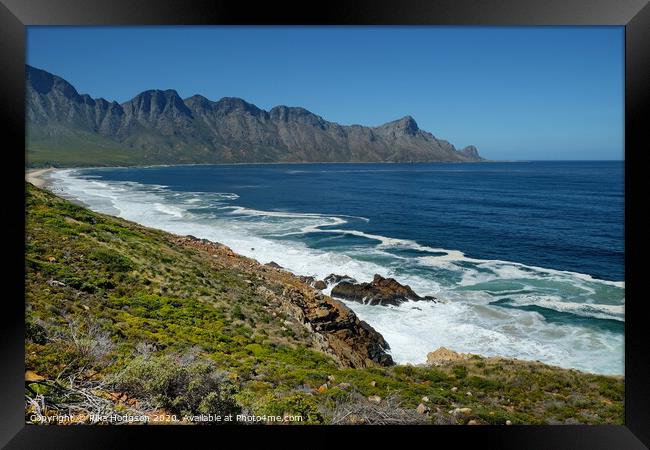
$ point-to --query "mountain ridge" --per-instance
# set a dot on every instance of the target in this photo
(160, 127)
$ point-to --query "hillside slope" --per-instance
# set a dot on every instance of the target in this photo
(65, 128)
(122, 319)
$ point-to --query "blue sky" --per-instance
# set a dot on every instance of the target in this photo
(515, 92)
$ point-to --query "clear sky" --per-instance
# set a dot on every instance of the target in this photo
(515, 92)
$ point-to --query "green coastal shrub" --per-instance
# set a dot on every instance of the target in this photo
(460, 372)
(297, 404)
(113, 262)
(180, 384)
(35, 332)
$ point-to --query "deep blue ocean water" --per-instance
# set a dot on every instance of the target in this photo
(528, 257)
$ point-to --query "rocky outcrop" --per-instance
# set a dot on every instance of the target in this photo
(307, 279)
(161, 127)
(205, 245)
(333, 278)
(381, 291)
(443, 355)
(334, 328)
(313, 282)
(353, 341)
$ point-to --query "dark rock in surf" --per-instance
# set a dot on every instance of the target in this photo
(274, 265)
(313, 282)
(381, 291)
(307, 280)
(205, 241)
(333, 278)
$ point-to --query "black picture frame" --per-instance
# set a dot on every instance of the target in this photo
(634, 15)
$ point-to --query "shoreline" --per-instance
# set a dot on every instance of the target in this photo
(253, 264)
(48, 183)
(145, 166)
(312, 347)
(275, 163)
(39, 174)
(38, 177)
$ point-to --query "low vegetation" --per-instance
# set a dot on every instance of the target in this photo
(79, 150)
(124, 320)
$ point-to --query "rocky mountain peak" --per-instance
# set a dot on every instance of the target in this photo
(470, 151)
(198, 100)
(228, 105)
(404, 126)
(156, 102)
(408, 125)
(44, 82)
(296, 114)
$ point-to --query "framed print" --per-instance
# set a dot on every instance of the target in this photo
(370, 219)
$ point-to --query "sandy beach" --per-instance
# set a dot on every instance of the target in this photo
(36, 176)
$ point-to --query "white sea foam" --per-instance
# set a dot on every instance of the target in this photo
(416, 328)
(333, 220)
(599, 311)
(465, 321)
(171, 210)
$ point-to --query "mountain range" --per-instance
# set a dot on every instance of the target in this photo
(65, 128)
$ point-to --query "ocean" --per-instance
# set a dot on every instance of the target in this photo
(527, 258)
